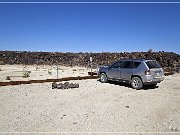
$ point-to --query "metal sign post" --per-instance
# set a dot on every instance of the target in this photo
(57, 72)
(91, 65)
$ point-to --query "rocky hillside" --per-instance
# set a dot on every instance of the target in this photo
(168, 60)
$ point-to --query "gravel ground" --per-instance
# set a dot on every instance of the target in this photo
(93, 107)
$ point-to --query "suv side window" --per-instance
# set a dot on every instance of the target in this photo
(136, 64)
(118, 64)
(131, 64)
(128, 64)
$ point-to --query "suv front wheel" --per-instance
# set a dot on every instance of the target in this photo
(136, 83)
(103, 78)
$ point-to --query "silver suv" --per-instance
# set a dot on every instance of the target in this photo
(135, 72)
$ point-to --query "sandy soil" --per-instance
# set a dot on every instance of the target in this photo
(94, 107)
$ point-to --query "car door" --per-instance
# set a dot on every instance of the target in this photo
(127, 70)
(114, 70)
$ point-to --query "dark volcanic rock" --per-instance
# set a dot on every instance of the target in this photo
(60, 86)
(54, 85)
(168, 60)
(66, 85)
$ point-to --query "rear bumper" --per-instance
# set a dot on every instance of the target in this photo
(152, 80)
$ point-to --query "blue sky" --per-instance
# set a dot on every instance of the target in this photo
(90, 27)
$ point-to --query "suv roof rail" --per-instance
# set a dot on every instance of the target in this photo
(133, 59)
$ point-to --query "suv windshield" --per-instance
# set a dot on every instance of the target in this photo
(153, 64)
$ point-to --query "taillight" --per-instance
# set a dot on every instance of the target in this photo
(147, 72)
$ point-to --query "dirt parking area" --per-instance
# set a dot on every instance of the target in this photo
(93, 107)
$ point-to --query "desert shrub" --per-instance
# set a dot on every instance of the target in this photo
(150, 50)
(8, 78)
(26, 74)
(2, 62)
(49, 72)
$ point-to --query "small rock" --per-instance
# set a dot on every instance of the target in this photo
(54, 85)
(60, 86)
(174, 128)
(71, 85)
(66, 85)
(170, 128)
(127, 106)
(76, 85)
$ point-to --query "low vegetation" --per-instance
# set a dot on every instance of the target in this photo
(8, 78)
(26, 74)
(49, 72)
(2, 62)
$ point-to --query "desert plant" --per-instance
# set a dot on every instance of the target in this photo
(2, 62)
(8, 78)
(26, 74)
(49, 72)
(150, 50)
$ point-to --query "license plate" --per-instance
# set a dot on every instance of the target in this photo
(157, 74)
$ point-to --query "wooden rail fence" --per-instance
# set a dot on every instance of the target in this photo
(47, 80)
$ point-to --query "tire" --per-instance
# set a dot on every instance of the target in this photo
(103, 78)
(136, 83)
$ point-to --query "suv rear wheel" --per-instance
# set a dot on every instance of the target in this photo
(103, 78)
(136, 83)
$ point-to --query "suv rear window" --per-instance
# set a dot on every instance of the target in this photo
(153, 64)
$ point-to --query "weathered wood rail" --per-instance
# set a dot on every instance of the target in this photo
(47, 80)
